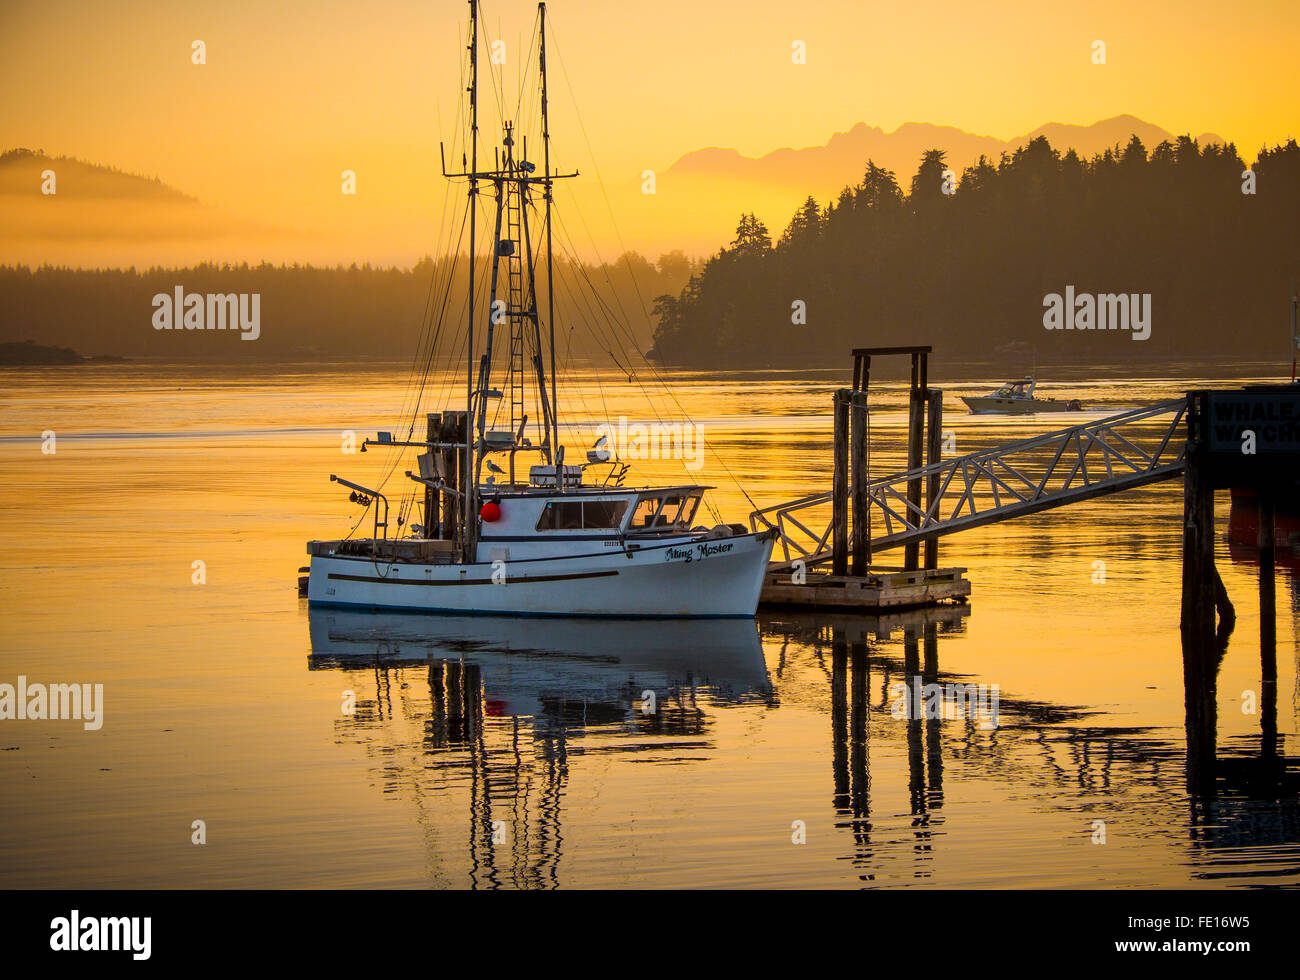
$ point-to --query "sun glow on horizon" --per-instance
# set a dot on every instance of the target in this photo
(290, 96)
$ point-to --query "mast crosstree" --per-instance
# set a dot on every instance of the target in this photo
(512, 300)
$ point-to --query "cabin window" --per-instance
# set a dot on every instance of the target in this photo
(689, 508)
(603, 514)
(670, 510)
(646, 510)
(577, 515)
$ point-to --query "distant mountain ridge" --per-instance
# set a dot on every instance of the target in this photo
(825, 169)
(105, 217)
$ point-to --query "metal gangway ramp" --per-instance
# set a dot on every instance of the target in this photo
(1074, 464)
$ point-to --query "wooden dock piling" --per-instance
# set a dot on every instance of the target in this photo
(858, 450)
(840, 486)
(915, 445)
(1197, 622)
(851, 583)
(933, 454)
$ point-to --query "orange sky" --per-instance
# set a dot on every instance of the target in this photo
(295, 92)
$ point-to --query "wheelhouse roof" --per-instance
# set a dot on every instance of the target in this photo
(519, 490)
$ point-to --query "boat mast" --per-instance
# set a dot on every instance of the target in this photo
(512, 177)
(469, 525)
(550, 282)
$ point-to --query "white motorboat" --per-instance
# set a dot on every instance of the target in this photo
(561, 543)
(1017, 398)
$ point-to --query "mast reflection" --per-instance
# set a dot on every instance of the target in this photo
(510, 700)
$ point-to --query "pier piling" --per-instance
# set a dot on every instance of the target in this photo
(846, 548)
(840, 487)
(858, 450)
(933, 454)
(1200, 649)
(915, 444)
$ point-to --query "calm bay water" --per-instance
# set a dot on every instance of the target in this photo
(510, 753)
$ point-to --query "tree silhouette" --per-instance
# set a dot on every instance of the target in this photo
(969, 271)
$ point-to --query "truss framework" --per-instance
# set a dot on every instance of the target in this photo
(1064, 467)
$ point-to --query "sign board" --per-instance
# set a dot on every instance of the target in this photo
(1250, 437)
(1273, 415)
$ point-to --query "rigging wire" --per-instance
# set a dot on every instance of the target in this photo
(608, 325)
(641, 299)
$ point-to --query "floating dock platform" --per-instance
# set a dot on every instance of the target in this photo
(880, 589)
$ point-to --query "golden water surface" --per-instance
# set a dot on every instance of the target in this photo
(515, 753)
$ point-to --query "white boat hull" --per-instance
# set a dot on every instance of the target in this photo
(707, 577)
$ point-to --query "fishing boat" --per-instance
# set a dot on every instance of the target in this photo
(564, 539)
(1017, 398)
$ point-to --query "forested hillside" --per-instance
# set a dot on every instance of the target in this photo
(968, 269)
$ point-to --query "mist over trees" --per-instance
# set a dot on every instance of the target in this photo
(312, 312)
(968, 270)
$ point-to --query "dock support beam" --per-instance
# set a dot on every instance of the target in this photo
(933, 454)
(1200, 646)
(915, 444)
(840, 487)
(858, 450)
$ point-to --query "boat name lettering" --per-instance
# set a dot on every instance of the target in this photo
(701, 551)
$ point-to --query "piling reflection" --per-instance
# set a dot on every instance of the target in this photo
(499, 715)
(1248, 795)
(1245, 825)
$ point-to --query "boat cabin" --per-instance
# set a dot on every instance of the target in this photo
(539, 523)
(1015, 389)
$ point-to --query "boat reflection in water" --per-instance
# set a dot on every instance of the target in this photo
(550, 668)
(509, 699)
(509, 736)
